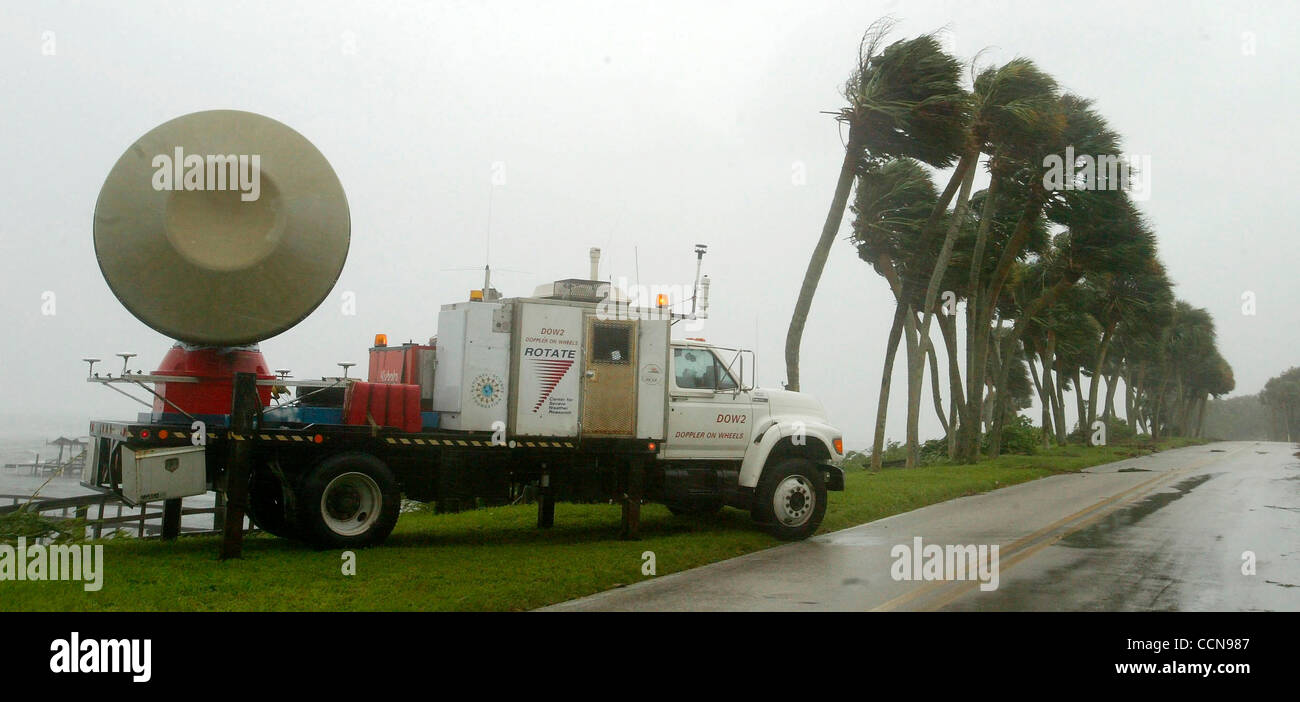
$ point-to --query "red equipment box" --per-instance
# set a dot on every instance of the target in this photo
(388, 404)
(408, 364)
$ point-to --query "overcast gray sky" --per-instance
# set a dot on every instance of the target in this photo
(641, 128)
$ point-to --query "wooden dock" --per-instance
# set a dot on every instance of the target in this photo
(145, 520)
(69, 467)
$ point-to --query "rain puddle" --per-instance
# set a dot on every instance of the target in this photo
(1099, 535)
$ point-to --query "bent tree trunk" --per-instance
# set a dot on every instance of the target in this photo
(1062, 429)
(1111, 385)
(1002, 398)
(914, 351)
(793, 337)
(1051, 388)
(980, 320)
(1157, 410)
(1081, 405)
(1130, 415)
(882, 406)
(1043, 301)
(1097, 373)
(1040, 390)
(948, 328)
(916, 366)
(1200, 417)
(977, 333)
(934, 389)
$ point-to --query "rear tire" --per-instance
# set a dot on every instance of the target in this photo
(266, 506)
(791, 499)
(348, 501)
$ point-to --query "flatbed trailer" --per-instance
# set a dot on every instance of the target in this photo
(340, 485)
(427, 466)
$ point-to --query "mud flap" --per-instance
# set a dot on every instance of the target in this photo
(834, 477)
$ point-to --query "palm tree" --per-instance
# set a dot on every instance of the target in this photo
(1210, 375)
(890, 208)
(903, 101)
(1144, 364)
(1011, 106)
(1176, 369)
(1282, 394)
(1124, 295)
(1090, 215)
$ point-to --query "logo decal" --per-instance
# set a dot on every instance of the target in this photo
(651, 373)
(550, 371)
(487, 390)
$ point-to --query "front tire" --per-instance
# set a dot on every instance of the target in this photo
(791, 499)
(348, 501)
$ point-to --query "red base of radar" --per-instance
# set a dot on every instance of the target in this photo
(215, 369)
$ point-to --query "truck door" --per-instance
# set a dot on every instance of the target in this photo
(609, 383)
(709, 415)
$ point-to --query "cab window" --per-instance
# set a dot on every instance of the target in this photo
(699, 369)
(725, 381)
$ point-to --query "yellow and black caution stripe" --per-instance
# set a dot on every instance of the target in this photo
(546, 444)
(279, 437)
(475, 443)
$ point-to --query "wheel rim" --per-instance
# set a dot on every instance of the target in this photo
(794, 501)
(350, 504)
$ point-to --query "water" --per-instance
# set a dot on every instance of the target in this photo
(23, 483)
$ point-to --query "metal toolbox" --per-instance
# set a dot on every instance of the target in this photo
(163, 473)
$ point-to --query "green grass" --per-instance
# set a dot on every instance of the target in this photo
(494, 559)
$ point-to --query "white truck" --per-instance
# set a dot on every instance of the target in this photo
(568, 395)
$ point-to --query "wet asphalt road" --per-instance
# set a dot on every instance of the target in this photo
(1169, 531)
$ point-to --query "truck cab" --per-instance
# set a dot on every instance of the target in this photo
(770, 451)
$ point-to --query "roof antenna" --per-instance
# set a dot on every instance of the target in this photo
(487, 249)
(699, 261)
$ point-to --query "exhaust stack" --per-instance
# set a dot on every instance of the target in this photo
(595, 264)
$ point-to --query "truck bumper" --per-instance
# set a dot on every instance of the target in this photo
(834, 477)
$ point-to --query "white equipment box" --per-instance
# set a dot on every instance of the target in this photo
(471, 384)
(551, 368)
(548, 365)
(149, 475)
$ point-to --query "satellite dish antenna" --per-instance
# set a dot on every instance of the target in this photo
(221, 228)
